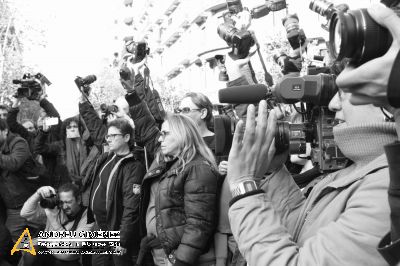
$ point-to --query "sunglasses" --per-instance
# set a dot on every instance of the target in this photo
(185, 110)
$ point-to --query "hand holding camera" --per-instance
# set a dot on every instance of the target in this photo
(46, 192)
(251, 144)
(128, 71)
(368, 82)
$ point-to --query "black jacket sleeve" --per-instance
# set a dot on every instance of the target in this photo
(200, 203)
(16, 157)
(16, 127)
(93, 122)
(133, 175)
(49, 108)
(389, 250)
(51, 111)
(390, 245)
(41, 146)
(146, 130)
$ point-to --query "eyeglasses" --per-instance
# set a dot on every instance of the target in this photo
(111, 136)
(185, 110)
(163, 134)
(69, 127)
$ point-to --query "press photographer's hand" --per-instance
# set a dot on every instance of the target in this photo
(46, 191)
(234, 67)
(368, 82)
(250, 149)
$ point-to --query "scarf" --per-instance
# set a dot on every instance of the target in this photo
(75, 156)
(364, 142)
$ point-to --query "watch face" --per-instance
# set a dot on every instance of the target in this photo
(249, 185)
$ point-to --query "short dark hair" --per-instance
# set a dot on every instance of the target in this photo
(123, 125)
(77, 120)
(202, 102)
(3, 124)
(70, 187)
(4, 107)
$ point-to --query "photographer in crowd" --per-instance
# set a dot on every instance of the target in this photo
(70, 151)
(58, 211)
(20, 176)
(279, 226)
(115, 194)
(28, 129)
(377, 82)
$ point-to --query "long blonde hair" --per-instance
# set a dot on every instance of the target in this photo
(190, 141)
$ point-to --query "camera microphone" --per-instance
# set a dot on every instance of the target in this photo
(243, 94)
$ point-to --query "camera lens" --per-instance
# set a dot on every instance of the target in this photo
(290, 136)
(49, 203)
(355, 35)
(227, 31)
(291, 22)
(322, 7)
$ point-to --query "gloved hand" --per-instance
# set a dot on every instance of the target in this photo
(148, 242)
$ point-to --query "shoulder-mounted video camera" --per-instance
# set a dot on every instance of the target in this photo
(314, 93)
(30, 86)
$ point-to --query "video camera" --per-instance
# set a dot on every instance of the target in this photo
(315, 91)
(138, 49)
(242, 40)
(353, 34)
(30, 85)
(83, 83)
(50, 202)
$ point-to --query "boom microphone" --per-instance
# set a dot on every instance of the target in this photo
(243, 94)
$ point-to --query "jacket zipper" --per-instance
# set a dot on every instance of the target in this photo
(94, 194)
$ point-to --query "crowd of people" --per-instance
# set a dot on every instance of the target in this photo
(178, 198)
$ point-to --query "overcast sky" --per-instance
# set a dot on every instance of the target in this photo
(80, 36)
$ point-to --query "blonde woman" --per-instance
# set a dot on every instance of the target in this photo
(179, 196)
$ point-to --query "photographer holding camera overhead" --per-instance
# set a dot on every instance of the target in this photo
(59, 211)
(342, 218)
(32, 87)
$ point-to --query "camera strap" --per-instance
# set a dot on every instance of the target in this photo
(76, 220)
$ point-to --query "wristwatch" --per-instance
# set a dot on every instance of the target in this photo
(243, 188)
(172, 258)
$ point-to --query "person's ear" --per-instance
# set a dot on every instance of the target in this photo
(204, 113)
(127, 137)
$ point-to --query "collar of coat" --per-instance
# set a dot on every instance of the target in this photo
(160, 168)
(355, 175)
